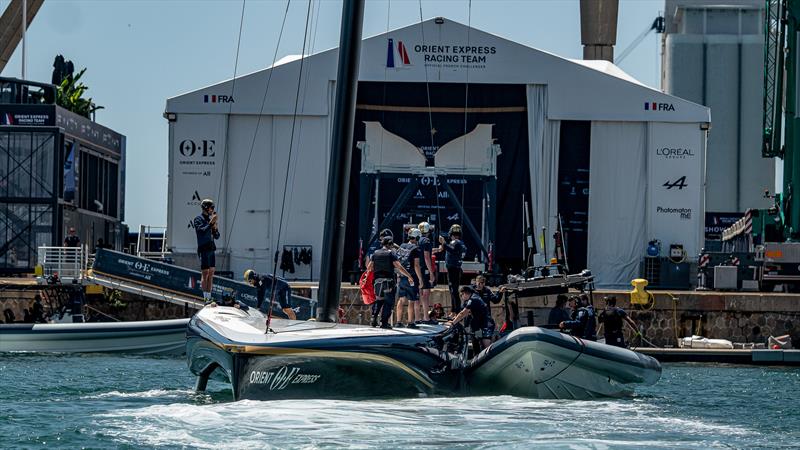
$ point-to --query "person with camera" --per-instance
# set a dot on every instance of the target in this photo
(207, 230)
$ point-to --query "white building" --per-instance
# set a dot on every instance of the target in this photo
(626, 160)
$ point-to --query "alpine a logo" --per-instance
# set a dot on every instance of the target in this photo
(397, 55)
(218, 99)
(654, 106)
(674, 153)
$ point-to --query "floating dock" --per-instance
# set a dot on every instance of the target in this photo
(760, 357)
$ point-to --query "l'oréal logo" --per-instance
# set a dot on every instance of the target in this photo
(674, 152)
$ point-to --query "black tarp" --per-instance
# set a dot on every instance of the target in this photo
(510, 131)
(573, 190)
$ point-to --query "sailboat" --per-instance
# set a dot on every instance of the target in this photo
(265, 359)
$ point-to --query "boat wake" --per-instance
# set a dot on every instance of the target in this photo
(501, 422)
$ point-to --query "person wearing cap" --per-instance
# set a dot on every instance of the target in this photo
(72, 239)
(384, 262)
(481, 323)
(613, 320)
(409, 256)
(584, 323)
(206, 229)
(428, 273)
(454, 251)
(264, 285)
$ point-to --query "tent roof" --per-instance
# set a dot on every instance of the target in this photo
(449, 52)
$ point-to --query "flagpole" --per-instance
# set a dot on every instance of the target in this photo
(24, 29)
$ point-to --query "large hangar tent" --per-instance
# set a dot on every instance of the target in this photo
(621, 162)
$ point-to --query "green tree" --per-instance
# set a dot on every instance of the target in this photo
(69, 95)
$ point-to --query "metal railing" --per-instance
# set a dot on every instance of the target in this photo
(152, 243)
(66, 262)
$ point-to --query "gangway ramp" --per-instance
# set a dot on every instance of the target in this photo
(161, 281)
(144, 290)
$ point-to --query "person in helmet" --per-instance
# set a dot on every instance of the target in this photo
(409, 256)
(481, 323)
(383, 263)
(428, 273)
(454, 251)
(263, 284)
(207, 230)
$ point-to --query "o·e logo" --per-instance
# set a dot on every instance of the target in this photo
(189, 147)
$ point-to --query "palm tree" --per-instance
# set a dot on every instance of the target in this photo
(69, 95)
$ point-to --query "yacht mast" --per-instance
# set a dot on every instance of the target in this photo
(341, 152)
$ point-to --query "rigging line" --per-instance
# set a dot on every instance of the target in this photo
(314, 28)
(430, 123)
(230, 105)
(466, 109)
(288, 165)
(258, 122)
(385, 82)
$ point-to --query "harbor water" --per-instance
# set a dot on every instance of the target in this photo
(97, 401)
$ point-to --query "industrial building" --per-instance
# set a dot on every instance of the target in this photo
(478, 124)
(57, 170)
(713, 55)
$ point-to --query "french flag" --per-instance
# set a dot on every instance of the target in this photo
(7, 119)
(397, 56)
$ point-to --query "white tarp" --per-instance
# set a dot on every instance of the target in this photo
(675, 210)
(617, 188)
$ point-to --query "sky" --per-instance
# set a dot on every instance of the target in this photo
(138, 53)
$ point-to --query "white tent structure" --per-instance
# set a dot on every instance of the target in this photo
(230, 142)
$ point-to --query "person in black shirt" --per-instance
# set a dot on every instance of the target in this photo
(487, 295)
(383, 263)
(72, 240)
(409, 256)
(453, 256)
(584, 325)
(613, 319)
(481, 323)
(428, 280)
(559, 313)
(263, 285)
(37, 310)
(205, 226)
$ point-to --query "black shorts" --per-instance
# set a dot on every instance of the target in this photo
(208, 259)
(426, 281)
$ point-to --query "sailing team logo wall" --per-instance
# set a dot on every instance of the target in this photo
(397, 55)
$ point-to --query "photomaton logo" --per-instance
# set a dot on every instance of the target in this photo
(397, 56)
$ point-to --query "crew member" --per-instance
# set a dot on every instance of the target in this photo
(584, 324)
(37, 310)
(481, 323)
(409, 256)
(559, 313)
(264, 284)
(428, 272)
(487, 295)
(72, 239)
(205, 225)
(613, 319)
(383, 263)
(454, 251)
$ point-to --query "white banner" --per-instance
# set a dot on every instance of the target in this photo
(196, 162)
(675, 157)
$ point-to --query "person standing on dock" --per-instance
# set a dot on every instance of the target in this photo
(72, 239)
(613, 320)
(584, 325)
(207, 230)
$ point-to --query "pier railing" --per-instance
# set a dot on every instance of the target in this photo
(67, 262)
